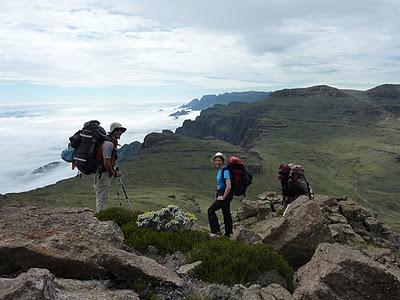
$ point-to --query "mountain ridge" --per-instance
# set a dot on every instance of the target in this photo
(207, 101)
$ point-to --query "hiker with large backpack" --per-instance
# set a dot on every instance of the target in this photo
(93, 151)
(294, 183)
(107, 157)
(232, 180)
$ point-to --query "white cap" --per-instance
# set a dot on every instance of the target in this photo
(219, 154)
(116, 125)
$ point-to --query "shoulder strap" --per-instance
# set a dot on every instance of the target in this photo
(223, 171)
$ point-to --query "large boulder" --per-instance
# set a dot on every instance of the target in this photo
(71, 243)
(298, 234)
(34, 284)
(337, 272)
(40, 284)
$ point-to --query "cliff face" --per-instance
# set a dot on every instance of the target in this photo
(315, 108)
(234, 126)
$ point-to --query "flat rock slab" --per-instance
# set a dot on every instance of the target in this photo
(71, 243)
(188, 269)
(70, 289)
(337, 272)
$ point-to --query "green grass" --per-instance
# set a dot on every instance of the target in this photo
(231, 262)
(166, 242)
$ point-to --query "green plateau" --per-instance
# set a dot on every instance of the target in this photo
(347, 140)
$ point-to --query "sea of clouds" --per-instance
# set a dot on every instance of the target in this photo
(33, 136)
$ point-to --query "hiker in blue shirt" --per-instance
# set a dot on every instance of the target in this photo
(223, 197)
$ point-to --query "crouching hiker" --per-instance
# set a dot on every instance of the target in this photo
(223, 197)
(107, 156)
(294, 184)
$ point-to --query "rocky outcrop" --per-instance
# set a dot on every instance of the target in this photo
(179, 113)
(298, 234)
(339, 272)
(266, 205)
(154, 138)
(71, 243)
(40, 284)
(308, 223)
(128, 152)
(34, 284)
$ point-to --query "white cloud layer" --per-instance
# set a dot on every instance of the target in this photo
(208, 44)
(34, 136)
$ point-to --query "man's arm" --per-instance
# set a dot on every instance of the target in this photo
(108, 167)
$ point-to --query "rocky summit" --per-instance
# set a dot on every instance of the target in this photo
(40, 248)
(338, 249)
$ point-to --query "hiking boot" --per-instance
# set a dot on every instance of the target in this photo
(215, 236)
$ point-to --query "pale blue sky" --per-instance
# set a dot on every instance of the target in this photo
(176, 50)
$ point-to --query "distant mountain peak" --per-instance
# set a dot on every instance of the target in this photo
(210, 100)
(318, 90)
(386, 91)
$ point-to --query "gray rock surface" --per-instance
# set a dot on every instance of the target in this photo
(256, 292)
(40, 284)
(71, 243)
(32, 285)
(247, 236)
(70, 289)
(298, 234)
(188, 269)
(338, 272)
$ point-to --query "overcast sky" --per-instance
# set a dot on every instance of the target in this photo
(164, 50)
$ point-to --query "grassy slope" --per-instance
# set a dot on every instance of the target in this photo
(347, 145)
(176, 166)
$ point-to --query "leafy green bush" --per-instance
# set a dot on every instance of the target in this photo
(165, 241)
(121, 216)
(141, 238)
(231, 262)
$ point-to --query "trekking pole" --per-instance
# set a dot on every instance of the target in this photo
(124, 190)
(118, 193)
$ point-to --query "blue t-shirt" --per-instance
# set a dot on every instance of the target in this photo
(220, 180)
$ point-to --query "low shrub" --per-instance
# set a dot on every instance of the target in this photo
(165, 241)
(231, 262)
(141, 238)
(121, 216)
(170, 218)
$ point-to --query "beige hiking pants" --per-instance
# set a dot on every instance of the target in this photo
(102, 187)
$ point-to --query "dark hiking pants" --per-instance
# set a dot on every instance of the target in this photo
(225, 206)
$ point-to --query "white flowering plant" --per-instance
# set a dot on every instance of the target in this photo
(170, 218)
